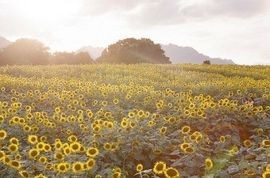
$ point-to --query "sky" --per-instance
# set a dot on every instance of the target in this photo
(230, 29)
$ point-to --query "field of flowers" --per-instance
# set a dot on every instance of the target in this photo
(135, 121)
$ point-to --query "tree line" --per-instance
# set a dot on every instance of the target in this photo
(33, 52)
(127, 51)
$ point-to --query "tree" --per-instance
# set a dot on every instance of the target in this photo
(131, 51)
(83, 58)
(24, 51)
(207, 62)
(71, 58)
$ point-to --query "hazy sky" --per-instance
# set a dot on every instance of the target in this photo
(233, 29)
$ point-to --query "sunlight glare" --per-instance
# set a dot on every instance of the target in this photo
(48, 10)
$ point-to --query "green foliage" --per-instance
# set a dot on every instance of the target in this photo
(132, 51)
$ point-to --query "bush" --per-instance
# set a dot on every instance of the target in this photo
(207, 62)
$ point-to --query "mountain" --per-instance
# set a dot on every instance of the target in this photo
(94, 52)
(178, 55)
(4, 42)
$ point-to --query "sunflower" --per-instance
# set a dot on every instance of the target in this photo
(185, 129)
(268, 168)
(43, 138)
(139, 167)
(89, 114)
(2, 155)
(222, 139)
(159, 167)
(247, 143)
(114, 146)
(184, 145)
(3, 134)
(40, 145)
(198, 138)
(192, 137)
(13, 148)
(57, 110)
(33, 139)
(67, 151)
(18, 157)
(259, 131)
(163, 130)
(27, 128)
(15, 164)
(116, 169)
(132, 124)
(90, 163)
(116, 175)
(82, 148)
(92, 152)
(2, 118)
(97, 128)
(208, 164)
(58, 145)
(72, 138)
(171, 172)
(68, 166)
(115, 101)
(189, 150)
(77, 167)
(266, 174)
(40, 176)
(33, 153)
(24, 174)
(14, 140)
(47, 147)
(6, 159)
(61, 167)
(124, 124)
(107, 146)
(58, 156)
(266, 143)
(187, 112)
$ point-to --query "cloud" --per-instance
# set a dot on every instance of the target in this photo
(228, 8)
(99, 7)
(164, 12)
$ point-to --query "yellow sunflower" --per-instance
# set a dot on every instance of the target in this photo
(159, 167)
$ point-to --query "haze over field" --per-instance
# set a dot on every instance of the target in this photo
(231, 29)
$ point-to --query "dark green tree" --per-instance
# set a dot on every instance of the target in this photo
(132, 51)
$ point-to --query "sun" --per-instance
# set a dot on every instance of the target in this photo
(48, 10)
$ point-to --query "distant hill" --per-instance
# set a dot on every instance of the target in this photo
(178, 55)
(94, 52)
(4, 42)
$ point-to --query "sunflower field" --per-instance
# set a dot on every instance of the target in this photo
(112, 121)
